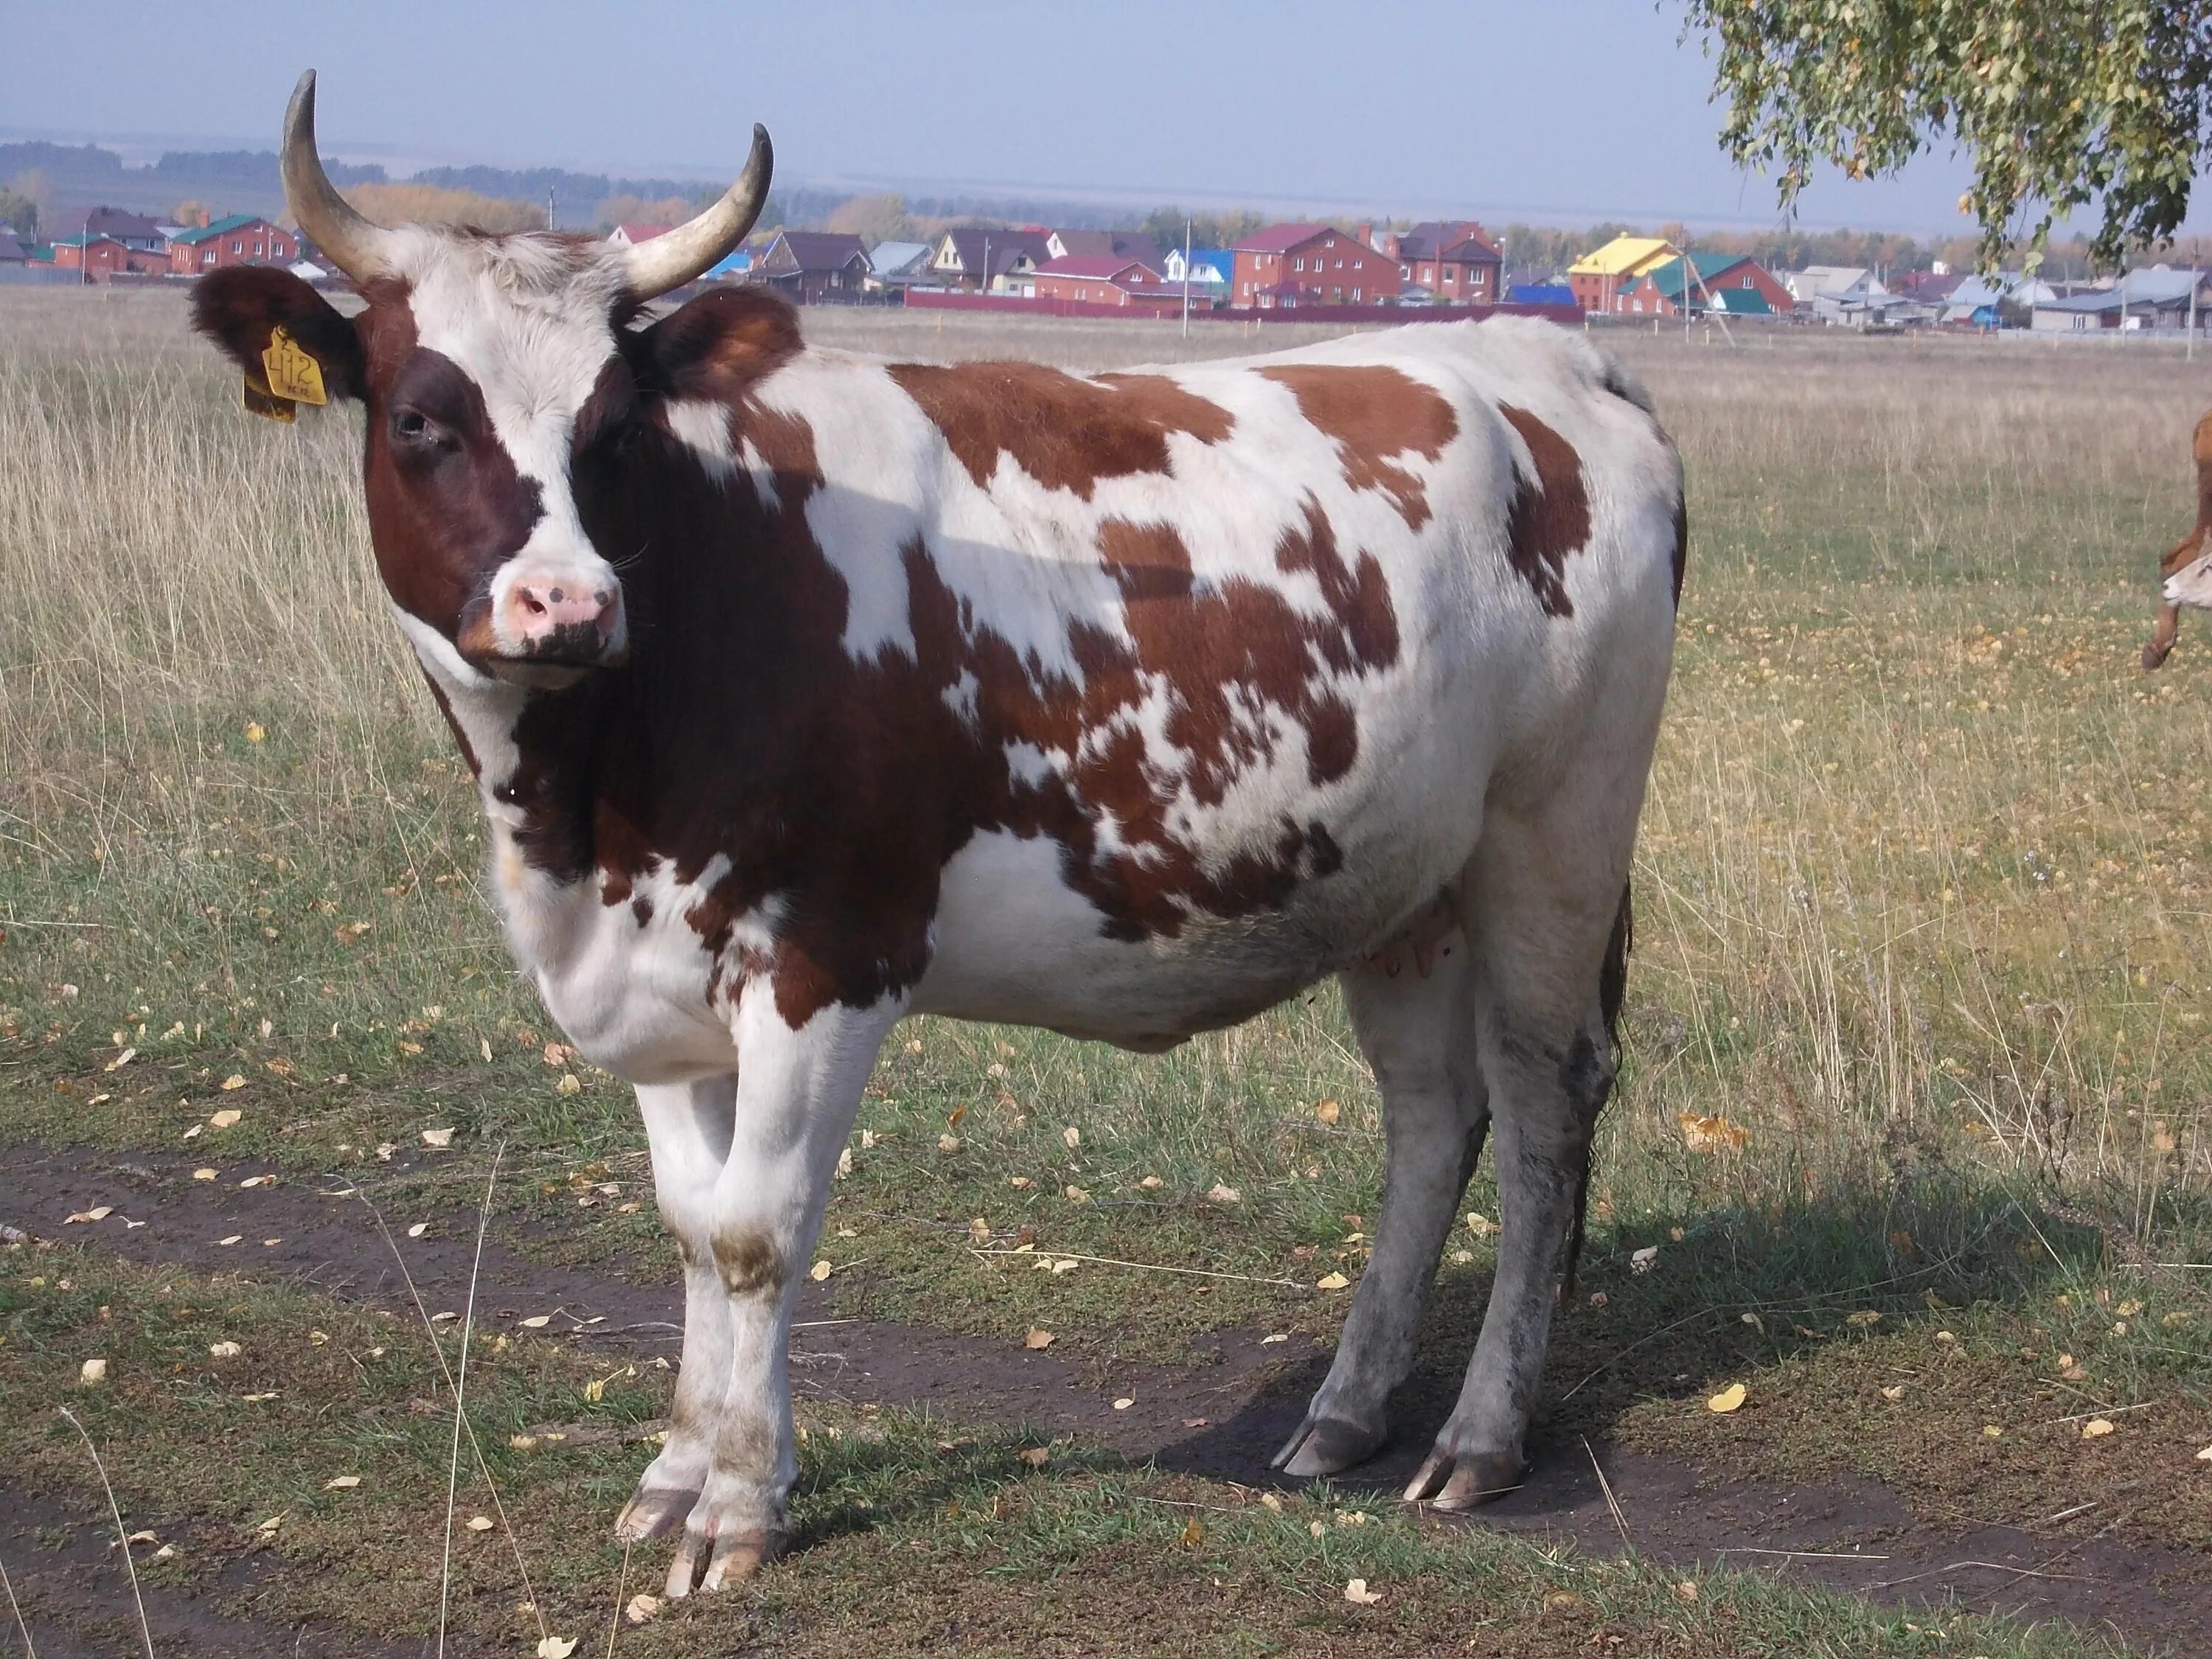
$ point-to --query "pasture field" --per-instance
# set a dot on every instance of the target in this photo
(1914, 1111)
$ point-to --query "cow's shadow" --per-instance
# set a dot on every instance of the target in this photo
(1676, 1328)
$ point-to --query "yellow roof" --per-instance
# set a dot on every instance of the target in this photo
(1623, 256)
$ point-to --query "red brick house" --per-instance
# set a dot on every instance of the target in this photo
(1732, 282)
(1290, 265)
(104, 257)
(1104, 280)
(237, 240)
(1455, 260)
(814, 266)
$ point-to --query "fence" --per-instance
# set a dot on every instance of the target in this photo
(931, 299)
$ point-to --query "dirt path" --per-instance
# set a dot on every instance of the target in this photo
(1221, 1420)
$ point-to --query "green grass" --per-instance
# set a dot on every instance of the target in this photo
(914, 1533)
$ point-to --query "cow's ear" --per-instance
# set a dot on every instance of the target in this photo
(717, 346)
(241, 308)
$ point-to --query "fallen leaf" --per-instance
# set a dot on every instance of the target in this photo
(1077, 1195)
(549, 1647)
(92, 1373)
(523, 1442)
(225, 1118)
(225, 1350)
(121, 1061)
(1686, 1593)
(254, 732)
(437, 1137)
(1863, 1317)
(1279, 1336)
(642, 1608)
(1561, 1601)
(1642, 1260)
(1331, 1282)
(1221, 1194)
(258, 1181)
(1482, 1226)
(1037, 1338)
(1151, 1183)
(1894, 1391)
(537, 1322)
(99, 1213)
(234, 1081)
(418, 1230)
(1711, 1134)
(1359, 1596)
(1727, 1400)
(948, 1143)
(204, 1175)
(2096, 1428)
(1123, 1403)
(596, 1389)
(483, 1523)
(2205, 1456)
(342, 1482)
(1065, 1264)
(1328, 1111)
(979, 1232)
(570, 1084)
(232, 1239)
(1035, 1457)
(819, 1271)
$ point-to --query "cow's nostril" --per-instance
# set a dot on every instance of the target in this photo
(557, 595)
(535, 605)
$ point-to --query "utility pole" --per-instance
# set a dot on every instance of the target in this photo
(984, 286)
(1186, 279)
(2189, 352)
(551, 223)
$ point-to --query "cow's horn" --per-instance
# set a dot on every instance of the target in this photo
(353, 244)
(670, 260)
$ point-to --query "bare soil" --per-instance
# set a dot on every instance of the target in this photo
(1221, 1418)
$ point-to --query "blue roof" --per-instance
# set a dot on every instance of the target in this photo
(1539, 293)
(734, 264)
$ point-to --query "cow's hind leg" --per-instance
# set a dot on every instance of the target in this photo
(1415, 1030)
(687, 1126)
(1545, 901)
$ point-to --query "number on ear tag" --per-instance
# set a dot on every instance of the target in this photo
(292, 373)
(267, 405)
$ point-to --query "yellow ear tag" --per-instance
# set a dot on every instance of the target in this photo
(292, 373)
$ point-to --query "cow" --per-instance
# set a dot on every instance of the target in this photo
(806, 691)
(2185, 576)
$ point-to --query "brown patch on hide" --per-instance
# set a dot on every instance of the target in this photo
(1376, 414)
(1550, 516)
(1065, 433)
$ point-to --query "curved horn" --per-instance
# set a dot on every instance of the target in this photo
(353, 244)
(671, 260)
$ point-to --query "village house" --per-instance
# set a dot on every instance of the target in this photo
(629, 235)
(1454, 262)
(238, 239)
(810, 267)
(897, 265)
(1105, 279)
(1208, 268)
(1734, 283)
(1299, 264)
(1105, 244)
(1599, 278)
(2155, 300)
(993, 260)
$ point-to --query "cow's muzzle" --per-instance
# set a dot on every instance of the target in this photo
(533, 625)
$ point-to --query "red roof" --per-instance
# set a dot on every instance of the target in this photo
(643, 232)
(1104, 267)
(1281, 238)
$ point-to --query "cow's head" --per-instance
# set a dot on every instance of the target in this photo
(488, 364)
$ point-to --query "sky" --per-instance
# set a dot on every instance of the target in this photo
(1566, 111)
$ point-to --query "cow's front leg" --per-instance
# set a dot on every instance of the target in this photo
(687, 1125)
(797, 1093)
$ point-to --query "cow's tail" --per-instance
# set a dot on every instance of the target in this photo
(1612, 991)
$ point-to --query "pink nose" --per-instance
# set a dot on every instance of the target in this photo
(555, 617)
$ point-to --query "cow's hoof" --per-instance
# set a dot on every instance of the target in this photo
(714, 1561)
(1452, 1481)
(654, 1510)
(2154, 653)
(1327, 1446)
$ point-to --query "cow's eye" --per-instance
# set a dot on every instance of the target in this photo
(413, 427)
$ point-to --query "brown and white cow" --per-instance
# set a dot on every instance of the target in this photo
(806, 691)
(2186, 572)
